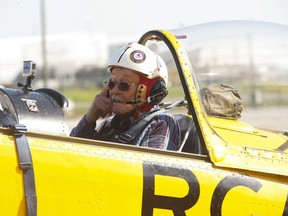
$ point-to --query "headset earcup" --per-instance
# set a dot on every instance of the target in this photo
(158, 92)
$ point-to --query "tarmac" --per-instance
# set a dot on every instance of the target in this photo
(275, 118)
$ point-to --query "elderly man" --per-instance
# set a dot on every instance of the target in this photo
(136, 86)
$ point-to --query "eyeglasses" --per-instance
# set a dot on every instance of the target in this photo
(122, 86)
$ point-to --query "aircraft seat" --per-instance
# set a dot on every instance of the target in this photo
(189, 137)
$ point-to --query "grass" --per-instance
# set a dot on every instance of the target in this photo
(80, 95)
(79, 99)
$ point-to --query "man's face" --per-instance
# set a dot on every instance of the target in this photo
(132, 79)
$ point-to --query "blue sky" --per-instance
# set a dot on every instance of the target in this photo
(118, 18)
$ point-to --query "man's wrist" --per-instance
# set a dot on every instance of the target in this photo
(88, 122)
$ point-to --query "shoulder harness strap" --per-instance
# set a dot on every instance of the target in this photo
(129, 136)
(25, 161)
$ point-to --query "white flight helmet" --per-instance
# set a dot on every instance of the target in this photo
(139, 58)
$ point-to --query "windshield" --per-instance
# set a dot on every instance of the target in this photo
(248, 56)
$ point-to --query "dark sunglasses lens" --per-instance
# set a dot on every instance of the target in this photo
(111, 84)
(123, 86)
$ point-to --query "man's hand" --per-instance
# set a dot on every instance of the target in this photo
(100, 107)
